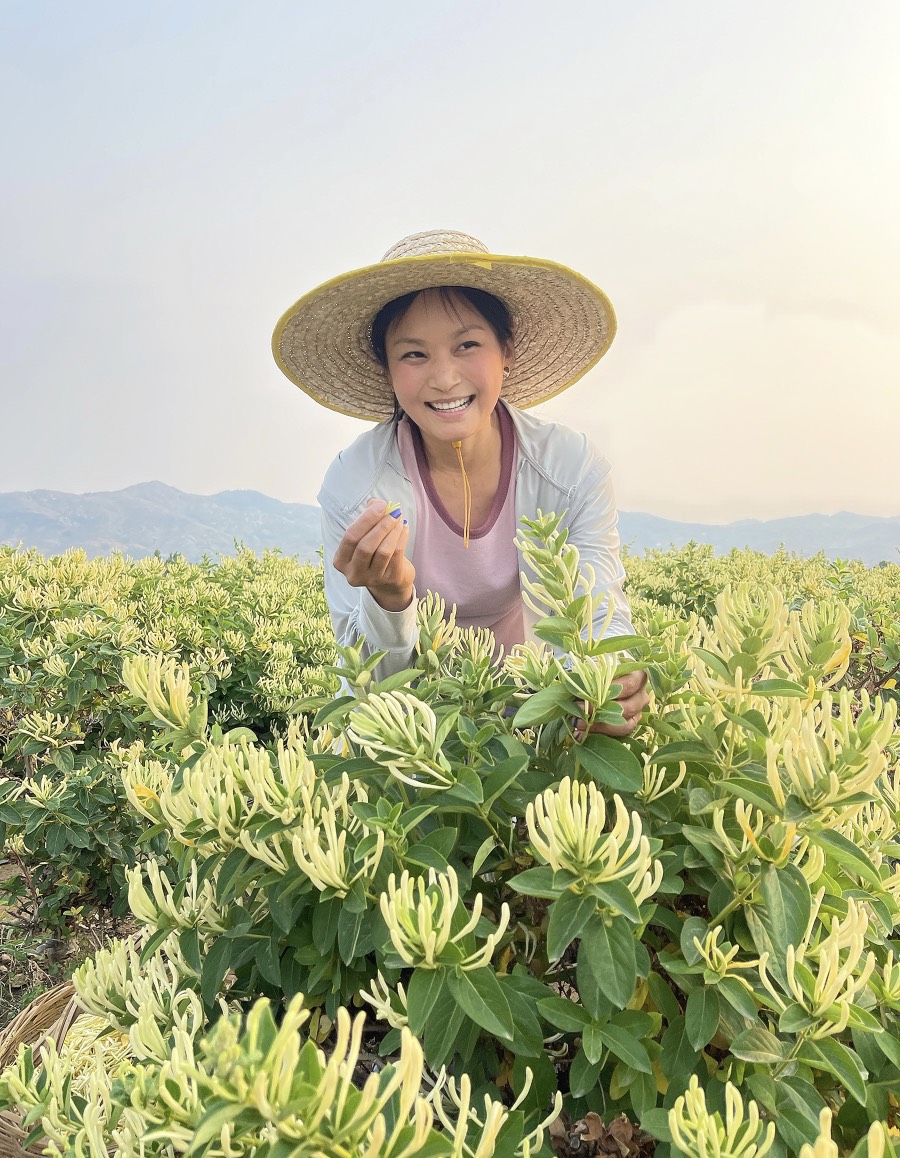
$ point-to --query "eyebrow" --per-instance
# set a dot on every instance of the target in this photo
(419, 342)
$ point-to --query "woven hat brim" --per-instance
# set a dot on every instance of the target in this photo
(563, 325)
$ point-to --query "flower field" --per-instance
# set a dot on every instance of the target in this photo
(419, 916)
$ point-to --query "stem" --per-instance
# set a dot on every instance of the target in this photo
(790, 1057)
(733, 904)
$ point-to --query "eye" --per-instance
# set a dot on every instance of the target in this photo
(411, 355)
(469, 344)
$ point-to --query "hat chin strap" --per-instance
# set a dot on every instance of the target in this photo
(467, 495)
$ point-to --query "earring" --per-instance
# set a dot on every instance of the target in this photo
(506, 371)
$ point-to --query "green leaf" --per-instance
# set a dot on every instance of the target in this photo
(625, 1046)
(443, 1028)
(563, 1014)
(552, 703)
(758, 1045)
(424, 989)
(795, 1019)
(718, 665)
(568, 916)
(210, 1125)
(786, 894)
(610, 763)
(56, 839)
(828, 1054)
(216, 959)
(500, 778)
(656, 1123)
(678, 1058)
(334, 708)
(701, 1017)
(482, 999)
(694, 928)
(399, 679)
(485, 849)
(609, 947)
(737, 996)
(798, 1107)
(691, 751)
(231, 866)
(326, 915)
(618, 898)
(754, 792)
(350, 931)
(889, 1046)
(527, 1038)
(539, 882)
(189, 944)
(268, 961)
(583, 1075)
(779, 688)
(663, 997)
(844, 852)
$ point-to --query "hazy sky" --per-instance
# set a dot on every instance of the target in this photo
(175, 174)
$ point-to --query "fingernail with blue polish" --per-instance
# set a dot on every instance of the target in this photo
(406, 522)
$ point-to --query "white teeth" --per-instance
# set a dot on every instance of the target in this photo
(457, 405)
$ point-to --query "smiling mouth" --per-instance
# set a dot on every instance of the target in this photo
(458, 404)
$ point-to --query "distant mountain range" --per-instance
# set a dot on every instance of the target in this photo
(150, 517)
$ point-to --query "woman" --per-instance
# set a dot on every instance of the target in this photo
(447, 344)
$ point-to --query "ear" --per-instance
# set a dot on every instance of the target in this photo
(509, 355)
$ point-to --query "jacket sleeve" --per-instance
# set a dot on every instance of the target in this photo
(593, 529)
(354, 613)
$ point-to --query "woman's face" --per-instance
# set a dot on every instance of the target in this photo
(445, 365)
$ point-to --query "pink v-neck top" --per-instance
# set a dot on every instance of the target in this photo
(483, 579)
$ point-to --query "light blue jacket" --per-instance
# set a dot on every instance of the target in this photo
(557, 470)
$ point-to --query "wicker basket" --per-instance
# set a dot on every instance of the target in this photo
(49, 1015)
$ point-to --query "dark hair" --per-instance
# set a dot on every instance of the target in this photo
(493, 310)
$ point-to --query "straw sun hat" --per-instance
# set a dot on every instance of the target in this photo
(562, 323)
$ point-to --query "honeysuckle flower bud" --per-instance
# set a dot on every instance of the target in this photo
(531, 665)
(589, 678)
(810, 859)
(823, 981)
(818, 642)
(885, 981)
(490, 1123)
(389, 1004)
(721, 959)
(825, 757)
(438, 633)
(49, 728)
(163, 684)
(654, 786)
(751, 621)
(197, 907)
(419, 916)
(320, 851)
(401, 732)
(145, 781)
(55, 665)
(566, 829)
(775, 846)
(700, 1134)
(39, 790)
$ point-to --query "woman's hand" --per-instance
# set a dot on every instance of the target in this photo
(371, 554)
(633, 699)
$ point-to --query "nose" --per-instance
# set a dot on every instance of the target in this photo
(444, 374)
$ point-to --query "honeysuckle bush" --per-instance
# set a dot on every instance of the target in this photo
(253, 632)
(694, 927)
(688, 580)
